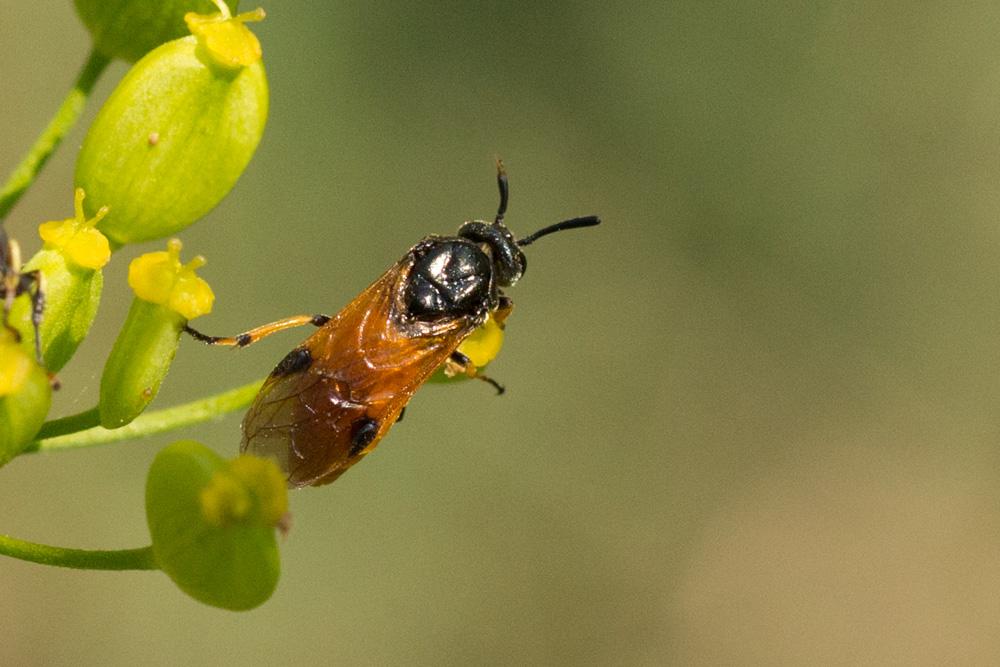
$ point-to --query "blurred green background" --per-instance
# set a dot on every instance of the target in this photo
(753, 419)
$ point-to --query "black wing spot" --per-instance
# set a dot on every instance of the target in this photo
(295, 361)
(363, 431)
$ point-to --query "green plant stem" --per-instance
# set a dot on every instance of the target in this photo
(151, 423)
(81, 559)
(63, 121)
(70, 424)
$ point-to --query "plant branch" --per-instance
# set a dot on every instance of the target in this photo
(62, 122)
(69, 424)
(151, 423)
(81, 559)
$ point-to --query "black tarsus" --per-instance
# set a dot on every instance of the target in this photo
(496, 385)
(463, 360)
(199, 336)
(572, 223)
(37, 308)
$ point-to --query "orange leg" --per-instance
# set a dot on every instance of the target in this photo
(254, 335)
(459, 364)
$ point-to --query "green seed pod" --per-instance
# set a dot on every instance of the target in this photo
(127, 29)
(25, 396)
(178, 131)
(168, 294)
(213, 523)
(70, 263)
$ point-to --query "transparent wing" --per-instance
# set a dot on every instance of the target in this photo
(363, 365)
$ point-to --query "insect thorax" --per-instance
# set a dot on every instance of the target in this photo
(450, 277)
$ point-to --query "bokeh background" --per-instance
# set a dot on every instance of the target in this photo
(753, 419)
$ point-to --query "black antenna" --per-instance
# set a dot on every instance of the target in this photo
(504, 192)
(574, 223)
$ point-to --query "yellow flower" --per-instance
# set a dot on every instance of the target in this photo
(159, 277)
(225, 37)
(77, 238)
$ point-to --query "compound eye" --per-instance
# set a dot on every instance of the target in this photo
(508, 260)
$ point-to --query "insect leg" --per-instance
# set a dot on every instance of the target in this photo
(254, 335)
(458, 363)
(10, 261)
(14, 284)
(36, 280)
(8, 303)
(504, 307)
